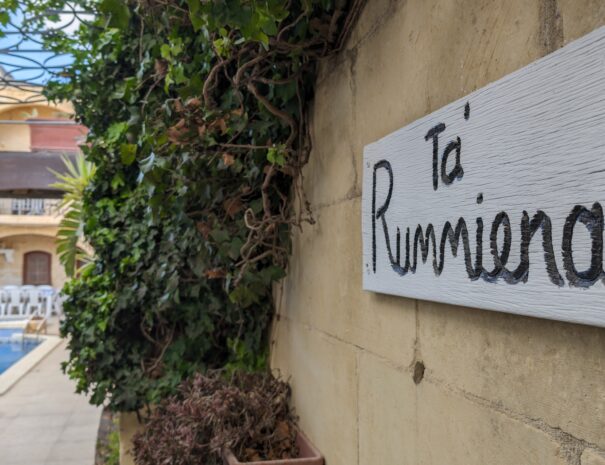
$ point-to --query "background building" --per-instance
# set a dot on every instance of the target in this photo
(33, 137)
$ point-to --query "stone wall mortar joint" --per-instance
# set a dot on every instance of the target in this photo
(358, 348)
(571, 446)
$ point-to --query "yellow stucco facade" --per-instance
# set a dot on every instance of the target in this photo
(21, 234)
(15, 137)
(12, 272)
(383, 380)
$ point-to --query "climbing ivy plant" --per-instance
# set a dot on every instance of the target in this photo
(198, 131)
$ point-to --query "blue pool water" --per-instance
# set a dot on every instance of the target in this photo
(13, 347)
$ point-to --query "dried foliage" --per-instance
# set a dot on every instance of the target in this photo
(248, 414)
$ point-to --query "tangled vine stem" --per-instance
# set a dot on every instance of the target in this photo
(26, 65)
(246, 69)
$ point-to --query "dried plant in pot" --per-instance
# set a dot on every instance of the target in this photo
(307, 455)
(215, 420)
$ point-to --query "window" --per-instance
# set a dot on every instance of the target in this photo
(36, 268)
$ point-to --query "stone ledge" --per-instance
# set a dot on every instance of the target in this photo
(17, 371)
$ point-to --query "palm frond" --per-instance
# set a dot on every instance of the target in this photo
(71, 228)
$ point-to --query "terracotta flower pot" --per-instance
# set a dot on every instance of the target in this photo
(308, 455)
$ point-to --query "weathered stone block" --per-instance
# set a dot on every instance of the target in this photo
(373, 16)
(324, 288)
(543, 369)
(426, 53)
(129, 426)
(592, 457)
(387, 413)
(322, 371)
(579, 17)
(457, 431)
(331, 174)
(400, 422)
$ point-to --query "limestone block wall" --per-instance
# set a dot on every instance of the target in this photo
(380, 380)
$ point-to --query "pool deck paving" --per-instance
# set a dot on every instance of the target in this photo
(43, 421)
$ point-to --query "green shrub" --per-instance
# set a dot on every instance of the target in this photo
(196, 112)
(146, 280)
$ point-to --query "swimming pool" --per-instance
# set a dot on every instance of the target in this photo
(13, 346)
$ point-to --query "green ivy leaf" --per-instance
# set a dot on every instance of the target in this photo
(277, 156)
(128, 153)
(117, 11)
(116, 131)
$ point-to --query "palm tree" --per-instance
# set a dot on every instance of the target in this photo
(71, 229)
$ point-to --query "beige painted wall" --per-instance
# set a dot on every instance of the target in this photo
(498, 389)
(12, 273)
(17, 137)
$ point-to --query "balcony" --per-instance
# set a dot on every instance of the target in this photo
(35, 207)
(29, 212)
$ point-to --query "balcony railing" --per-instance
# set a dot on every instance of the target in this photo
(32, 207)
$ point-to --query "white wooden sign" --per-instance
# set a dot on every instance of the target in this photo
(496, 200)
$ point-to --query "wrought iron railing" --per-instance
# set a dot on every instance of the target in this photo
(30, 207)
(25, 63)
